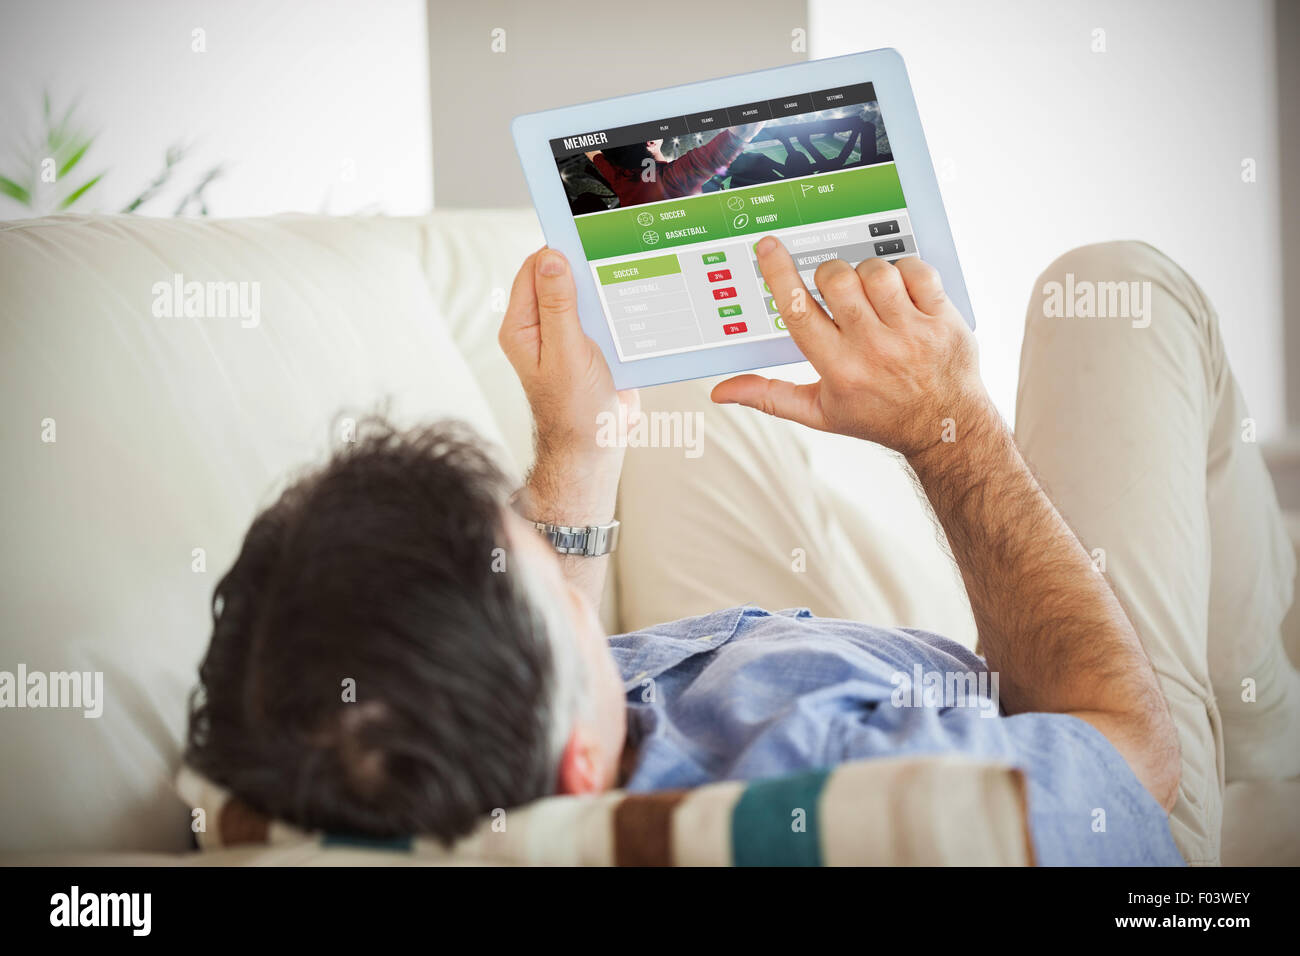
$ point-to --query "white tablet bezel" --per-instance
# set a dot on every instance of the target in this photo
(884, 68)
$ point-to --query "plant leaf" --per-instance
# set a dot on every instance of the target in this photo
(80, 191)
(68, 113)
(14, 191)
(75, 158)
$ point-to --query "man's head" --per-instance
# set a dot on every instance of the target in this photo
(395, 651)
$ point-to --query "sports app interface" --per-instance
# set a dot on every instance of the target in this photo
(669, 211)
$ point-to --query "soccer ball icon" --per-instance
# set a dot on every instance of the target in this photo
(645, 219)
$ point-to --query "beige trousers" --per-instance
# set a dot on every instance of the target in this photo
(1134, 425)
(1141, 438)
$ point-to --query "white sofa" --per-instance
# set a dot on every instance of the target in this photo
(170, 432)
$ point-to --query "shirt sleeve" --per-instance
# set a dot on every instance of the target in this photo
(687, 174)
(1086, 807)
(604, 167)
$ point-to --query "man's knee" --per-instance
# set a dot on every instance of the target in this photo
(1127, 258)
(1116, 287)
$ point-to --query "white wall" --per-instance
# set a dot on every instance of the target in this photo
(1061, 146)
(491, 60)
(318, 106)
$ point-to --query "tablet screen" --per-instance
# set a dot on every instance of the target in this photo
(668, 212)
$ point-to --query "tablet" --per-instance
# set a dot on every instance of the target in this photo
(657, 200)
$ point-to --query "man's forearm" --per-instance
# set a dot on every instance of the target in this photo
(568, 491)
(898, 358)
(1048, 622)
(688, 173)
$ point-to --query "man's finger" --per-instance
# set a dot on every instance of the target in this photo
(796, 403)
(924, 284)
(809, 326)
(557, 301)
(885, 291)
(521, 310)
(519, 323)
(842, 292)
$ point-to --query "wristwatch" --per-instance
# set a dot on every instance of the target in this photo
(591, 541)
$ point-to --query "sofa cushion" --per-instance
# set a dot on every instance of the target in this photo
(470, 258)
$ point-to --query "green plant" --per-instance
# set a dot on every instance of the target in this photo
(48, 159)
(44, 161)
(191, 200)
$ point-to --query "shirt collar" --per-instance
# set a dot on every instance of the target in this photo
(645, 654)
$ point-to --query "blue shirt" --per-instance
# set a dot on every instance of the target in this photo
(743, 693)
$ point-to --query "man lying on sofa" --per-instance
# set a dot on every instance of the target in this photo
(483, 678)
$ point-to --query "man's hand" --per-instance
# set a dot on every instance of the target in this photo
(895, 362)
(574, 480)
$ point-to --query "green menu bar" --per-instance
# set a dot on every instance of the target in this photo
(641, 269)
(737, 212)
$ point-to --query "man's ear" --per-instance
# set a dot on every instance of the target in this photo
(579, 764)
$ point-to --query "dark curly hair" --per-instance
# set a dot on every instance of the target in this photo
(378, 569)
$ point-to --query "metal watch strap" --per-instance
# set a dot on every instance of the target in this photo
(592, 541)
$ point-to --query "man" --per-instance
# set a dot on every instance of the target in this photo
(483, 678)
(627, 169)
